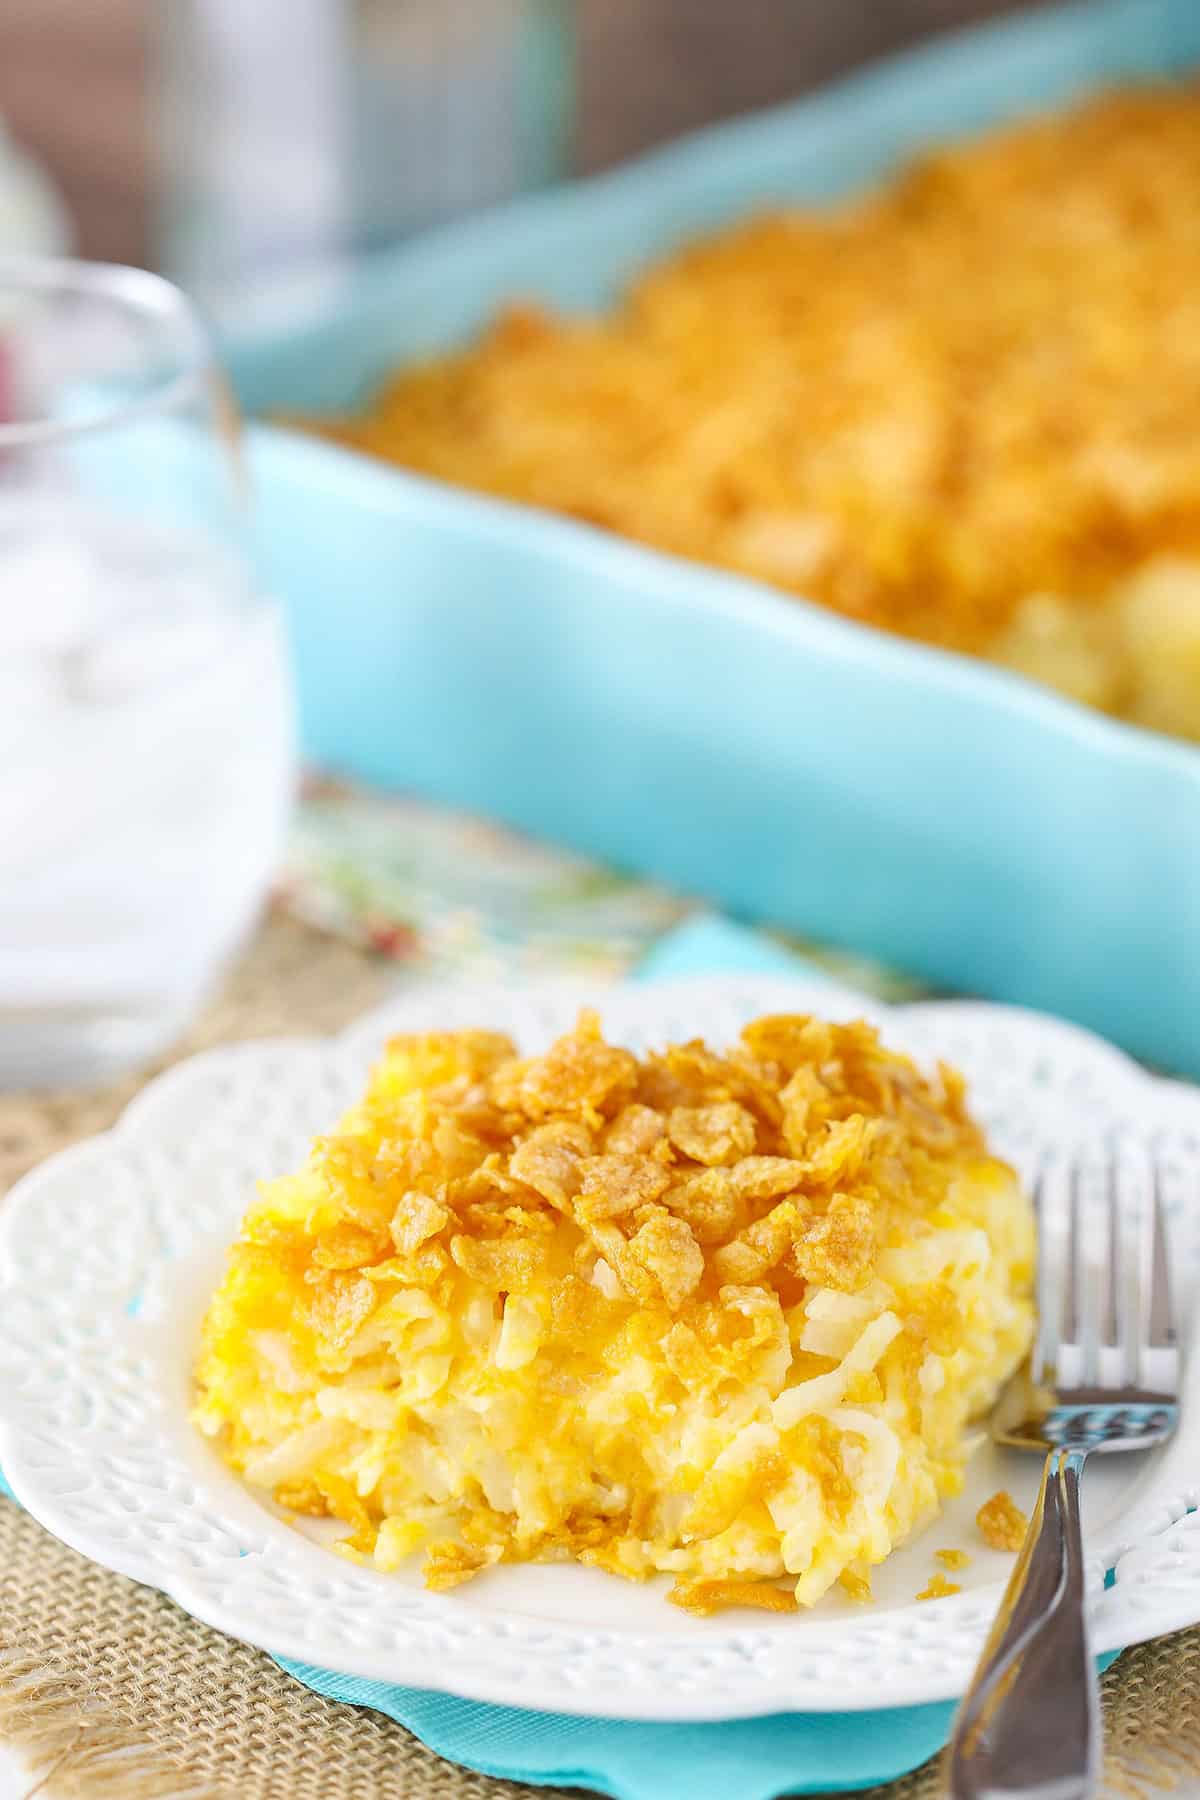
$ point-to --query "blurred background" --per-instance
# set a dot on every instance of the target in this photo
(249, 151)
(139, 110)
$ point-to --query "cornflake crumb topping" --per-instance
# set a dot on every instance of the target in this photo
(689, 1173)
(939, 1588)
(705, 1597)
(952, 1559)
(1002, 1523)
(716, 1314)
(999, 345)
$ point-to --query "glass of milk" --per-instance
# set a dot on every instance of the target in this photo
(146, 742)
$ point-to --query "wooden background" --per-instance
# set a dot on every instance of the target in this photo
(75, 81)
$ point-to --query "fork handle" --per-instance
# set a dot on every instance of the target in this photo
(1029, 1724)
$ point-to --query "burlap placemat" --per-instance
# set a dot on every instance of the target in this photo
(114, 1694)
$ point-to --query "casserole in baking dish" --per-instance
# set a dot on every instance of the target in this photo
(692, 722)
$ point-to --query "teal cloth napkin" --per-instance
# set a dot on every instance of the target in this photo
(749, 1759)
(707, 944)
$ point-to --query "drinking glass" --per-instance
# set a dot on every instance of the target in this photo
(146, 744)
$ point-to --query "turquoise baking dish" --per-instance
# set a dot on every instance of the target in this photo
(740, 744)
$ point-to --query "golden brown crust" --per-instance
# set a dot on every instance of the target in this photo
(960, 408)
(1001, 1522)
(705, 1597)
(938, 1588)
(865, 1115)
(782, 1161)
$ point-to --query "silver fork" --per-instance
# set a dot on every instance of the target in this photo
(1103, 1376)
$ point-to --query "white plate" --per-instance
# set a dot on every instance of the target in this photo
(109, 1251)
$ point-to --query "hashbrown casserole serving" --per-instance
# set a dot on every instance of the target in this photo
(723, 1315)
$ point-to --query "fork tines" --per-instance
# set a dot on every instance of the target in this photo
(1105, 1317)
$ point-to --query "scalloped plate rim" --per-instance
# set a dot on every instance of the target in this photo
(1165, 1505)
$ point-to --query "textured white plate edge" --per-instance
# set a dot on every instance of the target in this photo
(1171, 1496)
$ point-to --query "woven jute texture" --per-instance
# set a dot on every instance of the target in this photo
(114, 1694)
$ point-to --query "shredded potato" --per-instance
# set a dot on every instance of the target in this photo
(962, 408)
(495, 1318)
